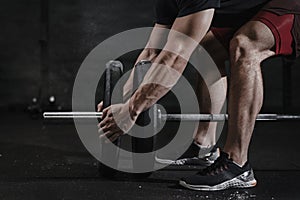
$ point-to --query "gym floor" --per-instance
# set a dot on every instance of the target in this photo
(46, 160)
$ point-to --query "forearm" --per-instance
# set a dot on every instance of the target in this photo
(147, 54)
(185, 36)
(156, 42)
(161, 77)
(167, 68)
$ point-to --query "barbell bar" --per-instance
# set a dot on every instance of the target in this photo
(72, 115)
(170, 117)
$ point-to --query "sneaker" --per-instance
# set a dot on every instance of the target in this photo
(191, 157)
(222, 174)
(204, 161)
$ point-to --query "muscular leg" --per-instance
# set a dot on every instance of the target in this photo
(211, 99)
(249, 47)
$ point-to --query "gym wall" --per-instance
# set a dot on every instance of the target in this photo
(43, 42)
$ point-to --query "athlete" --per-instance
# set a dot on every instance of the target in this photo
(243, 32)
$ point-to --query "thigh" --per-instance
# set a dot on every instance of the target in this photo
(281, 27)
(270, 31)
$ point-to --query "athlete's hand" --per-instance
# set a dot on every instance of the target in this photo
(116, 121)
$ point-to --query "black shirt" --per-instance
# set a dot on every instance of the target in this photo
(228, 13)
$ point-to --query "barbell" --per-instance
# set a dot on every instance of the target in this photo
(171, 117)
(109, 156)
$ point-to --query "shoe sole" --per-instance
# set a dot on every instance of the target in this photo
(237, 182)
(164, 161)
(178, 163)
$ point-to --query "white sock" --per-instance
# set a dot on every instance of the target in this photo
(202, 147)
(238, 164)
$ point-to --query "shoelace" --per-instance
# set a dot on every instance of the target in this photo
(218, 166)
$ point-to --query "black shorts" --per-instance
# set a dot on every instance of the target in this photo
(230, 15)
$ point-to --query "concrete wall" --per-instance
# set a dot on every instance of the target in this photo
(20, 50)
(40, 56)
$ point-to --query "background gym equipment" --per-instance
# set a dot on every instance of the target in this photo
(114, 71)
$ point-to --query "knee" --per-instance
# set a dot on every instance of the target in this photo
(241, 46)
(246, 54)
(247, 51)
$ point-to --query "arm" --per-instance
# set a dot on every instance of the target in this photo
(119, 118)
(157, 37)
(194, 26)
